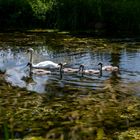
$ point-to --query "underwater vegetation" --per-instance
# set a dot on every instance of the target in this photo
(110, 112)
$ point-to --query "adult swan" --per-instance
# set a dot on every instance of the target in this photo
(41, 65)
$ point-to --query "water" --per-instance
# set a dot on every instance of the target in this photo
(83, 103)
(14, 59)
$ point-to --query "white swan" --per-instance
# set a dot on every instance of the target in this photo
(41, 65)
(69, 70)
(108, 68)
(89, 71)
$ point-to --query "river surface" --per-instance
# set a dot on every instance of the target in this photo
(124, 53)
(69, 105)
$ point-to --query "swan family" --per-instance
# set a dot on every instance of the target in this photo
(40, 68)
(49, 67)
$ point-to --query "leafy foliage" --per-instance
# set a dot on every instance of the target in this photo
(14, 13)
(94, 15)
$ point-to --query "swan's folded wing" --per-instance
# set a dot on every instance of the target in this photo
(46, 64)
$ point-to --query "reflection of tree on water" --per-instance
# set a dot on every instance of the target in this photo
(114, 79)
(115, 61)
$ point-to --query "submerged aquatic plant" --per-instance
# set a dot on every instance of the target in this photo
(68, 112)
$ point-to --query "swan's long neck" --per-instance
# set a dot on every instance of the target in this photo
(101, 65)
(100, 69)
(31, 57)
(61, 67)
(31, 63)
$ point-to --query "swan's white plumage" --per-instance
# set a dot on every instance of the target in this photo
(41, 65)
(69, 70)
(89, 71)
(109, 67)
(45, 65)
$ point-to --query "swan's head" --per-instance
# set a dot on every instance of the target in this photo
(29, 64)
(60, 65)
(81, 67)
(100, 64)
(30, 50)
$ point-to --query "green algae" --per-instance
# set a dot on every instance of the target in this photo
(96, 114)
(109, 113)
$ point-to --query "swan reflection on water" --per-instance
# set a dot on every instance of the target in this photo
(32, 79)
(36, 78)
(39, 79)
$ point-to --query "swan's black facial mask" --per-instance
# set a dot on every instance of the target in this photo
(29, 64)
